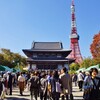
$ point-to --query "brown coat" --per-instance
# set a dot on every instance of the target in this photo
(66, 83)
(21, 86)
(21, 81)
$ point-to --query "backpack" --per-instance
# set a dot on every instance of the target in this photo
(43, 85)
(74, 78)
(34, 82)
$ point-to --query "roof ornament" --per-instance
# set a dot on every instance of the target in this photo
(33, 44)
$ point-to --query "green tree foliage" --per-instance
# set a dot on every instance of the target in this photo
(87, 62)
(1, 59)
(96, 60)
(74, 66)
(10, 59)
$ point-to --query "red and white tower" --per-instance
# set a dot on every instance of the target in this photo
(74, 37)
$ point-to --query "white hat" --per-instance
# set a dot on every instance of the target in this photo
(8, 72)
(87, 73)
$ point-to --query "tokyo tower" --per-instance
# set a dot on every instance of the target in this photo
(74, 37)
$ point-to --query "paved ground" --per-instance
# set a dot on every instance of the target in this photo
(77, 94)
(15, 96)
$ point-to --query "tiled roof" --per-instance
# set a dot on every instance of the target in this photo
(47, 45)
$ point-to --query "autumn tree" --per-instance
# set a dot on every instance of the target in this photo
(95, 48)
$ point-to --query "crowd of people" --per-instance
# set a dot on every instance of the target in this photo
(52, 85)
(89, 82)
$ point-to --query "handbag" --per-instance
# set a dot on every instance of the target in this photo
(58, 87)
(86, 94)
(97, 90)
(49, 87)
(87, 91)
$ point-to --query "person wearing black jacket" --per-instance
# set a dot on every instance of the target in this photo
(92, 86)
(95, 91)
(34, 80)
(66, 84)
(1, 85)
(10, 82)
(53, 81)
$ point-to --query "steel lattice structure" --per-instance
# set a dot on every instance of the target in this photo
(74, 37)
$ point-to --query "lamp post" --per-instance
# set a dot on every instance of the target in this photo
(16, 61)
(18, 65)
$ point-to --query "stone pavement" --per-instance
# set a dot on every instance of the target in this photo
(16, 96)
(77, 94)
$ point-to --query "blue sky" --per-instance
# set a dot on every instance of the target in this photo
(25, 21)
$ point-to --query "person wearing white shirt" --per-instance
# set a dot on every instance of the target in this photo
(80, 80)
(21, 82)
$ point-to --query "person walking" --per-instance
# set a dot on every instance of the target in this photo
(87, 86)
(21, 83)
(54, 81)
(1, 86)
(66, 84)
(80, 80)
(9, 79)
(74, 79)
(43, 86)
(34, 80)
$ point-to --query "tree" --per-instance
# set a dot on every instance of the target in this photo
(95, 46)
(87, 62)
(74, 66)
(1, 59)
(10, 59)
(96, 60)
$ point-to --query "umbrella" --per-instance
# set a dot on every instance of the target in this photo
(14, 70)
(2, 68)
(95, 66)
(81, 69)
(5, 68)
(18, 70)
